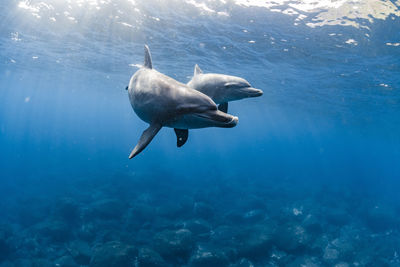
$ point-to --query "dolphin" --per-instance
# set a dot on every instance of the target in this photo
(222, 88)
(162, 101)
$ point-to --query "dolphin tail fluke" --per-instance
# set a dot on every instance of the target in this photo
(181, 136)
(145, 139)
(223, 107)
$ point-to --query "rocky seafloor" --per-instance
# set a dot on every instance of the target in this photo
(137, 220)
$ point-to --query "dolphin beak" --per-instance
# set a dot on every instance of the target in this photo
(225, 118)
(220, 119)
(253, 92)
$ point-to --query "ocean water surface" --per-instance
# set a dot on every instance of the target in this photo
(308, 177)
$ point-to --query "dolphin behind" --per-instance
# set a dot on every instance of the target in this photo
(222, 88)
(162, 101)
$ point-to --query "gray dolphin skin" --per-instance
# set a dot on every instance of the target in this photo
(164, 102)
(222, 88)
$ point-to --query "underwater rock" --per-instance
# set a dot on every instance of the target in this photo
(378, 250)
(344, 246)
(174, 245)
(200, 228)
(161, 224)
(5, 247)
(248, 217)
(170, 210)
(110, 233)
(87, 232)
(107, 209)
(371, 260)
(32, 211)
(140, 214)
(381, 218)
(80, 252)
(293, 212)
(243, 263)
(225, 235)
(279, 257)
(337, 216)
(143, 236)
(255, 242)
(66, 261)
(234, 217)
(56, 231)
(305, 261)
(312, 224)
(6, 264)
(292, 238)
(113, 254)
(342, 264)
(331, 254)
(28, 245)
(47, 263)
(253, 202)
(6, 231)
(227, 239)
(253, 216)
(150, 258)
(33, 263)
(208, 258)
(67, 209)
(23, 263)
(29, 263)
(202, 210)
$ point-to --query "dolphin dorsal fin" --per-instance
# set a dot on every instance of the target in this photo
(197, 70)
(147, 58)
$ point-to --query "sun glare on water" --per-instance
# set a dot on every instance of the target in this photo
(313, 13)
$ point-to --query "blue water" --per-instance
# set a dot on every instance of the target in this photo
(310, 175)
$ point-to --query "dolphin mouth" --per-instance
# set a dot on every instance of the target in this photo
(219, 118)
(252, 92)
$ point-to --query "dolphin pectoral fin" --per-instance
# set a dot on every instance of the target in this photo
(147, 58)
(223, 107)
(145, 139)
(197, 70)
(181, 136)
